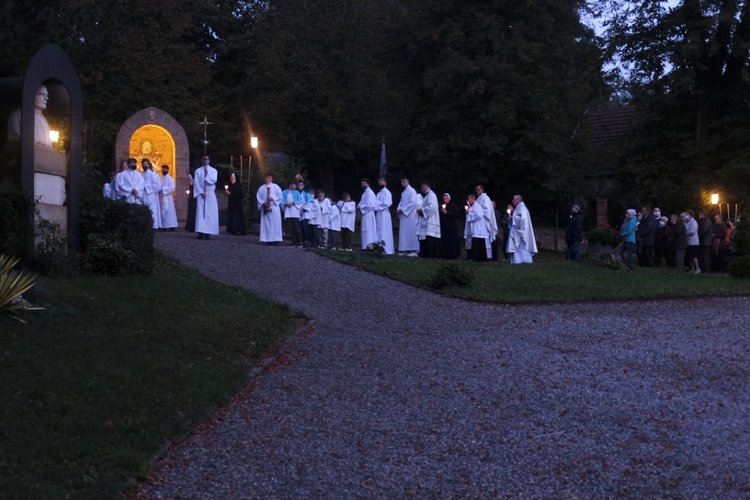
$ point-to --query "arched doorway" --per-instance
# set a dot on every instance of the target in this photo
(152, 133)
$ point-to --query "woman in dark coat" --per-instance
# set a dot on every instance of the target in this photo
(235, 208)
(449, 215)
(190, 223)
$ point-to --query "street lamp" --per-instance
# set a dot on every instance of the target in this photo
(254, 142)
(54, 135)
(715, 199)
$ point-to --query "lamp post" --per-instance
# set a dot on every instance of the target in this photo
(715, 199)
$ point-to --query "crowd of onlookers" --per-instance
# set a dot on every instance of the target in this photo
(702, 244)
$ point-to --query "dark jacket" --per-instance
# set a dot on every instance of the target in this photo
(647, 230)
(661, 236)
(678, 236)
(574, 230)
(705, 232)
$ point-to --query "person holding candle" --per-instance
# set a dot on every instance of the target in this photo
(449, 229)
(235, 207)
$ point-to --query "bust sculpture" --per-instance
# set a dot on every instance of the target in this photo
(41, 127)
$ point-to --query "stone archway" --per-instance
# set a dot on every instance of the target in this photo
(154, 134)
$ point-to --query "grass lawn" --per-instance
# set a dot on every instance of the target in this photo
(549, 279)
(93, 386)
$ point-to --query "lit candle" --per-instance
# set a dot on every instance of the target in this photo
(187, 192)
(226, 186)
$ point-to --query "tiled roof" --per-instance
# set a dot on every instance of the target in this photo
(598, 128)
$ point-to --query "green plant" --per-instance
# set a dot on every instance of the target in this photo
(377, 248)
(451, 275)
(742, 236)
(604, 235)
(739, 267)
(15, 229)
(13, 284)
(124, 229)
(51, 255)
(604, 260)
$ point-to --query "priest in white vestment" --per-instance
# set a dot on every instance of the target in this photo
(166, 200)
(206, 208)
(129, 183)
(522, 243)
(383, 216)
(429, 224)
(151, 189)
(367, 205)
(490, 221)
(475, 231)
(269, 202)
(408, 242)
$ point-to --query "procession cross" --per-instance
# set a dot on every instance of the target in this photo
(205, 124)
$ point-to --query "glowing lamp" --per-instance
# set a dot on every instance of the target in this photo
(54, 135)
(715, 199)
(254, 142)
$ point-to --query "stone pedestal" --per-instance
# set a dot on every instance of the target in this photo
(50, 171)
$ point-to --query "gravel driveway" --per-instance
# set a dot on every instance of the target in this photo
(398, 392)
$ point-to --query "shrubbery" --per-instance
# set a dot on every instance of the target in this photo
(739, 267)
(451, 275)
(116, 237)
(14, 227)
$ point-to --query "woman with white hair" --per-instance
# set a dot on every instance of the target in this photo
(627, 231)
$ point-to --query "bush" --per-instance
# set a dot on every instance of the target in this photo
(117, 237)
(51, 255)
(377, 248)
(13, 284)
(451, 275)
(742, 236)
(604, 235)
(15, 230)
(739, 267)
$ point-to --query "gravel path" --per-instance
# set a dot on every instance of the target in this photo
(402, 393)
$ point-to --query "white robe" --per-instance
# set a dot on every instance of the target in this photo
(348, 214)
(335, 218)
(126, 182)
(270, 221)
(490, 222)
(475, 226)
(522, 243)
(206, 209)
(368, 225)
(429, 223)
(383, 219)
(407, 227)
(325, 213)
(166, 202)
(151, 190)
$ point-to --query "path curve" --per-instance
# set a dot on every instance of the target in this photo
(403, 393)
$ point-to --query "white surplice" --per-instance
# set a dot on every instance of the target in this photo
(127, 181)
(270, 221)
(166, 203)
(383, 219)
(522, 243)
(429, 224)
(490, 222)
(407, 227)
(151, 190)
(348, 214)
(368, 225)
(206, 208)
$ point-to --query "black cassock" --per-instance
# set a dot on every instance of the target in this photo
(450, 244)
(235, 210)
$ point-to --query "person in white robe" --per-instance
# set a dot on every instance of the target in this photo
(348, 211)
(522, 242)
(109, 187)
(151, 189)
(383, 216)
(269, 202)
(475, 231)
(335, 222)
(368, 224)
(325, 218)
(408, 242)
(490, 220)
(206, 207)
(312, 212)
(429, 224)
(130, 184)
(166, 200)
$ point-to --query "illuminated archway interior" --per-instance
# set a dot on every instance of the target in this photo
(156, 144)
